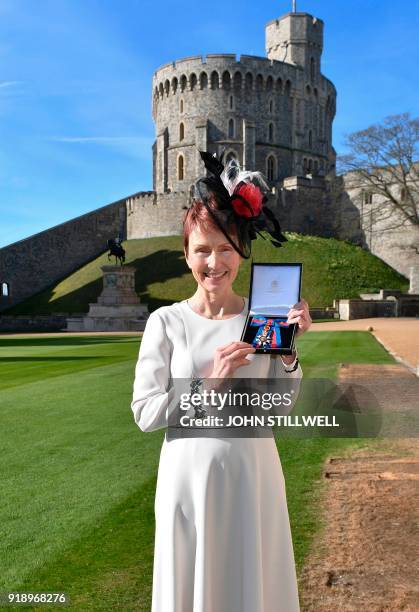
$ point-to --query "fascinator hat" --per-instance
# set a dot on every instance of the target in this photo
(235, 197)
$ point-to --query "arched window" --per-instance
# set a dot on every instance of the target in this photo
(193, 81)
(231, 103)
(174, 85)
(226, 80)
(270, 168)
(271, 132)
(183, 82)
(5, 289)
(248, 81)
(181, 131)
(310, 138)
(203, 80)
(180, 168)
(215, 81)
(269, 83)
(181, 106)
(310, 164)
(305, 165)
(238, 79)
(231, 128)
(271, 106)
(167, 86)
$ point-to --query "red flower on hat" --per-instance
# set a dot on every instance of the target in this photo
(252, 206)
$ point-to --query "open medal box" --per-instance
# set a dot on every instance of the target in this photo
(274, 289)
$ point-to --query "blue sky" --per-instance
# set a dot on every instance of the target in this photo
(75, 87)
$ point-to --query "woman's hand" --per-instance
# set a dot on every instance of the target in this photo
(300, 314)
(229, 357)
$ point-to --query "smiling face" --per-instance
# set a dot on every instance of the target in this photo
(212, 259)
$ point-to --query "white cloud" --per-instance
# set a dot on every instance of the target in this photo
(4, 84)
(101, 139)
(138, 147)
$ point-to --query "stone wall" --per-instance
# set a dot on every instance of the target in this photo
(33, 264)
(365, 309)
(399, 306)
(150, 214)
(414, 279)
(302, 205)
(38, 323)
(376, 226)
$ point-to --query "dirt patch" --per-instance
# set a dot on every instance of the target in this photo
(365, 557)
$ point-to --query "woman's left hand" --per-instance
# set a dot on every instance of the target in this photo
(300, 314)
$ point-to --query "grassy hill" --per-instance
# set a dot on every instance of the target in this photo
(331, 269)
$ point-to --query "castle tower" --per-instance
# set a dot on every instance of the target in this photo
(296, 38)
(274, 113)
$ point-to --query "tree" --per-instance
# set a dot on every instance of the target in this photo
(383, 162)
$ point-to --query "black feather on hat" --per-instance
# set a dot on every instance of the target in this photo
(239, 202)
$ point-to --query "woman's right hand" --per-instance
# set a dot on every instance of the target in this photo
(229, 357)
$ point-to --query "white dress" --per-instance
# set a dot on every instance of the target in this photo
(223, 539)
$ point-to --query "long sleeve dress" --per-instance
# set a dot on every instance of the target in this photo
(223, 539)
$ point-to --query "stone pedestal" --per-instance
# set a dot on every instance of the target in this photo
(118, 307)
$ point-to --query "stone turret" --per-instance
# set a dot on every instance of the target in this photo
(296, 38)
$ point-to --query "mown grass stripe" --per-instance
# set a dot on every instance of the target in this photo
(78, 477)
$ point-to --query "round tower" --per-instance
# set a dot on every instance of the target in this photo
(273, 113)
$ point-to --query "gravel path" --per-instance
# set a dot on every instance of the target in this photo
(365, 557)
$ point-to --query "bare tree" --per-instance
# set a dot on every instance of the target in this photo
(383, 162)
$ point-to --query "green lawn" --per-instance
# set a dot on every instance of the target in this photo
(331, 269)
(78, 476)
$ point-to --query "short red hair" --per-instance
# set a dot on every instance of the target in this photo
(197, 216)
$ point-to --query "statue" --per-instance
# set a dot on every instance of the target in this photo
(115, 248)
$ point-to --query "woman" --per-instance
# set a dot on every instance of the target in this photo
(223, 540)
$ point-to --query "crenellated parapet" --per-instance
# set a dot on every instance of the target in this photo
(151, 214)
(271, 115)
